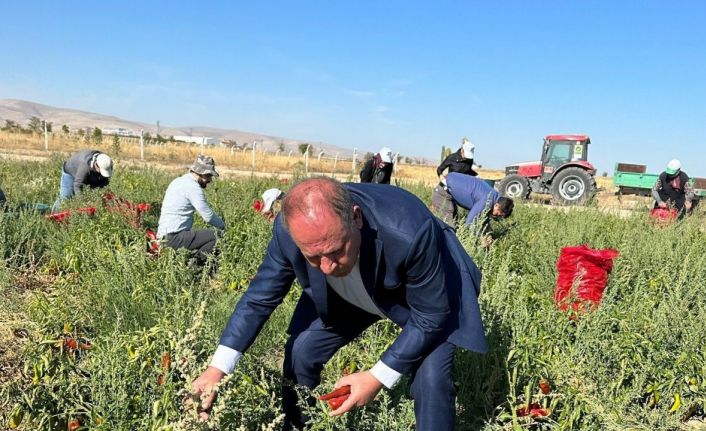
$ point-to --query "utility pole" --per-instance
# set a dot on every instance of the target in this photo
(157, 129)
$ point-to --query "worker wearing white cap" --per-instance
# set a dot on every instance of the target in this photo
(673, 190)
(86, 168)
(378, 169)
(461, 162)
(269, 197)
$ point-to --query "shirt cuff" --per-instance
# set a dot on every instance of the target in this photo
(225, 359)
(386, 375)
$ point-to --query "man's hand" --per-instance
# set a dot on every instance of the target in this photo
(364, 387)
(662, 205)
(205, 384)
(687, 204)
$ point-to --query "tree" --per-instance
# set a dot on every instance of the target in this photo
(368, 156)
(281, 146)
(11, 126)
(116, 145)
(65, 129)
(303, 148)
(81, 133)
(49, 126)
(35, 125)
(97, 136)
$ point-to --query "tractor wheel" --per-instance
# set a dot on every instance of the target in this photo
(514, 186)
(573, 186)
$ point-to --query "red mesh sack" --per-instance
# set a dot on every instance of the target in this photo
(582, 276)
(663, 215)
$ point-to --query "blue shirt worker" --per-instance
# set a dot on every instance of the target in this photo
(185, 195)
(475, 195)
(361, 253)
(86, 168)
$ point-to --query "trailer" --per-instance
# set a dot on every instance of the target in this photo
(633, 179)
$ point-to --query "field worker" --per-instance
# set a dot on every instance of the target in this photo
(185, 195)
(85, 168)
(269, 198)
(361, 253)
(462, 162)
(475, 195)
(378, 170)
(672, 189)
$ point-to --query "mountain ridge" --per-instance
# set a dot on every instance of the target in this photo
(21, 111)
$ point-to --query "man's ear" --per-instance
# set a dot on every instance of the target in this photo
(357, 217)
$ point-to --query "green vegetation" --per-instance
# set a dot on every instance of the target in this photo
(97, 333)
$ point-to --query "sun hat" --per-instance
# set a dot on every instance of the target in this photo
(385, 154)
(105, 165)
(673, 166)
(468, 148)
(269, 197)
(204, 165)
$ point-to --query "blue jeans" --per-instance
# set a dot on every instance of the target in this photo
(66, 190)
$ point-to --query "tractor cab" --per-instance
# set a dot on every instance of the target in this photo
(560, 150)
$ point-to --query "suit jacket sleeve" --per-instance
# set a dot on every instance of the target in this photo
(266, 291)
(427, 299)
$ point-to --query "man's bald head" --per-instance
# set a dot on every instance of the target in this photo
(325, 224)
(314, 197)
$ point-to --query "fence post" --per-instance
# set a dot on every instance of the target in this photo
(306, 159)
(142, 144)
(277, 152)
(203, 142)
(319, 158)
(355, 153)
(394, 159)
(290, 154)
(335, 160)
(46, 139)
(254, 144)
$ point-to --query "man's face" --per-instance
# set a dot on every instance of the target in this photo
(325, 243)
(203, 180)
(497, 212)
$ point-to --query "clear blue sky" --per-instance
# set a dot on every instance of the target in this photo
(410, 75)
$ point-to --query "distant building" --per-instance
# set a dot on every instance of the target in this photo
(197, 140)
(119, 132)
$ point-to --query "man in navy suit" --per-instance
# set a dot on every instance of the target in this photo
(361, 252)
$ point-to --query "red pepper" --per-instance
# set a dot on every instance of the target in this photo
(335, 403)
(71, 343)
(343, 390)
(544, 386)
(74, 424)
(534, 410)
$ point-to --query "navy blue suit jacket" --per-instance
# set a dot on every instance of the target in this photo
(411, 263)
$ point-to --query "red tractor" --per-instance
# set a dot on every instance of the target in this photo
(564, 172)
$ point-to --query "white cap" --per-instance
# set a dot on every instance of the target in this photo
(673, 166)
(385, 154)
(105, 165)
(468, 148)
(269, 197)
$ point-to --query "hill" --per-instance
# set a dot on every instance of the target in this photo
(21, 111)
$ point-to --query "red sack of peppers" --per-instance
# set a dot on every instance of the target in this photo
(582, 276)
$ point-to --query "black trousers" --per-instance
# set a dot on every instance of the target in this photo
(203, 242)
